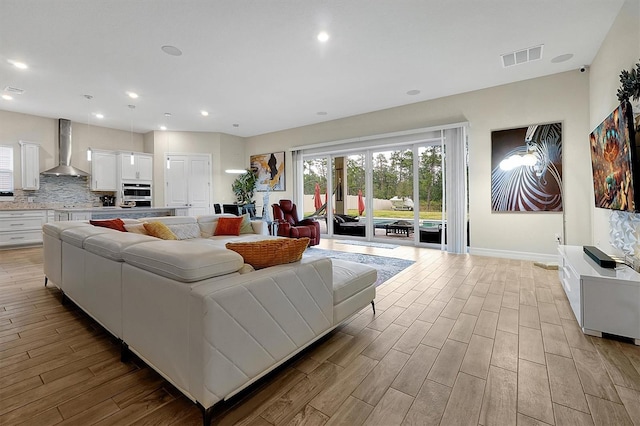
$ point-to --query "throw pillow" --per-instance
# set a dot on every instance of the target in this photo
(159, 230)
(246, 268)
(262, 254)
(136, 228)
(185, 231)
(116, 224)
(228, 226)
(245, 226)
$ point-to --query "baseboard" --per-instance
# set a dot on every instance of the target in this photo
(519, 255)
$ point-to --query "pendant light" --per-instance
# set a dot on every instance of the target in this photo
(132, 107)
(89, 151)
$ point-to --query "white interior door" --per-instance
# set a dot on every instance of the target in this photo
(199, 185)
(188, 183)
(176, 192)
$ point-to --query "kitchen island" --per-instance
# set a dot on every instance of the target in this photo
(21, 224)
(86, 213)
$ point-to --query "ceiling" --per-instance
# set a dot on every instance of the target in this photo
(258, 64)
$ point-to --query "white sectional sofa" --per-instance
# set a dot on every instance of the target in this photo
(185, 308)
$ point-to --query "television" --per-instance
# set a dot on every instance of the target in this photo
(614, 162)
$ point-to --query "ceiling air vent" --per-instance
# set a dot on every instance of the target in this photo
(522, 56)
(14, 90)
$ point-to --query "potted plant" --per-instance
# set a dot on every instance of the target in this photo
(629, 84)
(243, 187)
(630, 90)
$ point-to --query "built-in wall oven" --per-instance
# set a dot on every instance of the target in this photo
(138, 192)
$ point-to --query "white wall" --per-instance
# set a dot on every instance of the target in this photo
(560, 97)
(15, 127)
(620, 50)
(232, 154)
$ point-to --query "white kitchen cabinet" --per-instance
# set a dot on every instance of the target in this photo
(103, 171)
(21, 227)
(30, 161)
(603, 300)
(140, 170)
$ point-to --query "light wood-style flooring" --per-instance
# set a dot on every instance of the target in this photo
(457, 340)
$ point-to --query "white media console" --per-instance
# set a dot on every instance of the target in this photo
(603, 300)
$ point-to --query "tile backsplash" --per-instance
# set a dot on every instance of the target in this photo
(57, 192)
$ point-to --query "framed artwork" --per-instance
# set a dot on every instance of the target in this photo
(269, 169)
(526, 169)
(613, 162)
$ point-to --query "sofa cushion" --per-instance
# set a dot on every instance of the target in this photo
(159, 230)
(185, 231)
(228, 226)
(171, 220)
(110, 245)
(182, 262)
(350, 278)
(76, 236)
(116, 224)
(262, 254)
(54, 229)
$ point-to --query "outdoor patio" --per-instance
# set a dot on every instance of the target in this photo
(392, 229)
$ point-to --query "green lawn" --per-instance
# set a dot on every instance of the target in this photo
(401, 214)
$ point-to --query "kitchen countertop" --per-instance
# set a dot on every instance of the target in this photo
(118, 209)
(38, 206)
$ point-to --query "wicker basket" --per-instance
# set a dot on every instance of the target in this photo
(262, 254)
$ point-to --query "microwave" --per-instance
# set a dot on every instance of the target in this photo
(138, 192)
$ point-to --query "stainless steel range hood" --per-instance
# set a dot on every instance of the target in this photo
(64, 168)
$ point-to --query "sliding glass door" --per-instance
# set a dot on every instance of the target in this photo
(315, 190)
(431, 195)
(393, 192)
(393, 196)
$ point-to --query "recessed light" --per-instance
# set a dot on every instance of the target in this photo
(132, 95)
(204, 113)
(321, 113)
(18, 64)
(167, 114)
(323, 36)
(131, 106)
(163, 127)
(7, 97)
(413, 92)
(562, 58)
(98, 115)
(171, 50)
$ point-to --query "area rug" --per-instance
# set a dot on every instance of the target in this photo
(387, 266)
(366, 244)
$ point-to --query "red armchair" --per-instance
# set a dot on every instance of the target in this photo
(286, 215)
